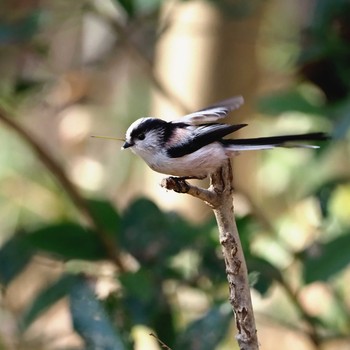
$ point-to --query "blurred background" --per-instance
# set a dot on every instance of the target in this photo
(94, 253)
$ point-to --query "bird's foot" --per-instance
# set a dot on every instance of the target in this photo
(177, 184)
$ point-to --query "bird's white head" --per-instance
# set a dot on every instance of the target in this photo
(145, 135)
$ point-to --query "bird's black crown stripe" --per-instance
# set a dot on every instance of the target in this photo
(164, 128)
(148, 125)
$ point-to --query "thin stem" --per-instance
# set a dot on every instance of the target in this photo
(56, 170)
(162, 344)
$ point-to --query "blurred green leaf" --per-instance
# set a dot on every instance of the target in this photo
(134, 8)
(46, 299)
(141, 294)
(90, 319)
(325, 191)
(128, 6)
(144, 231)
(323, 261)
(145, 302)
(24, 85)
(325, 13)
(68, 241)
(212, 264)
(206, 332)
(247, 228)
(115, 309)
(163, 323)
(292, 100)
(14, 256)
(152, 236)
(105, 214)
(181, 232)
(265, 273)
(139, 284)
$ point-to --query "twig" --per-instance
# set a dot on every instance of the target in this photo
(220, 198)
(181, 186)
(311, 332)
(56, 170)
(162, 344)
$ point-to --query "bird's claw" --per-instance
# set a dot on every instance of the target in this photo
(176, 184)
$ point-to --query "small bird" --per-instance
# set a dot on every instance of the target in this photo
(194, 147)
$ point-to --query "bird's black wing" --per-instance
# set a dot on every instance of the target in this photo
(201, 136)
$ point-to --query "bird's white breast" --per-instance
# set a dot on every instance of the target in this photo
(200, 163)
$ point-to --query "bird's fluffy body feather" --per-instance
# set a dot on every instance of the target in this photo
(196, 164)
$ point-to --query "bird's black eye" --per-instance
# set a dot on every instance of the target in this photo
(141, 136)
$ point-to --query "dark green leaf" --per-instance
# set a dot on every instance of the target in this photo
(139, 284)
(24, 85)
(325, 191)
(69, 241)
(114, 306)
(90, 319)
(14, 256)
(105, 214)
(150, 235)
(323, 261)
(128, 6)
(47, 298)
(138, 8)
(144, 231)
(146, 304)
(247, 228)
(212, 264)
(208, 331)
(163, 323)
(140, 300)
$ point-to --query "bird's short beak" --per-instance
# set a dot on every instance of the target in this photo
(127, 145)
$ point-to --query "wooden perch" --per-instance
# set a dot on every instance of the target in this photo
(219, 196)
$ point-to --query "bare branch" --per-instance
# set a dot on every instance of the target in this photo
(219, 196)
(182, 186)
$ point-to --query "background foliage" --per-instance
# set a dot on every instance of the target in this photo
(122, 271)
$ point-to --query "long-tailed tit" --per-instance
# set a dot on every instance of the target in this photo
(194, 146)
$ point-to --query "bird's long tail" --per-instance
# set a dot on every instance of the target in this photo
(274, 141)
